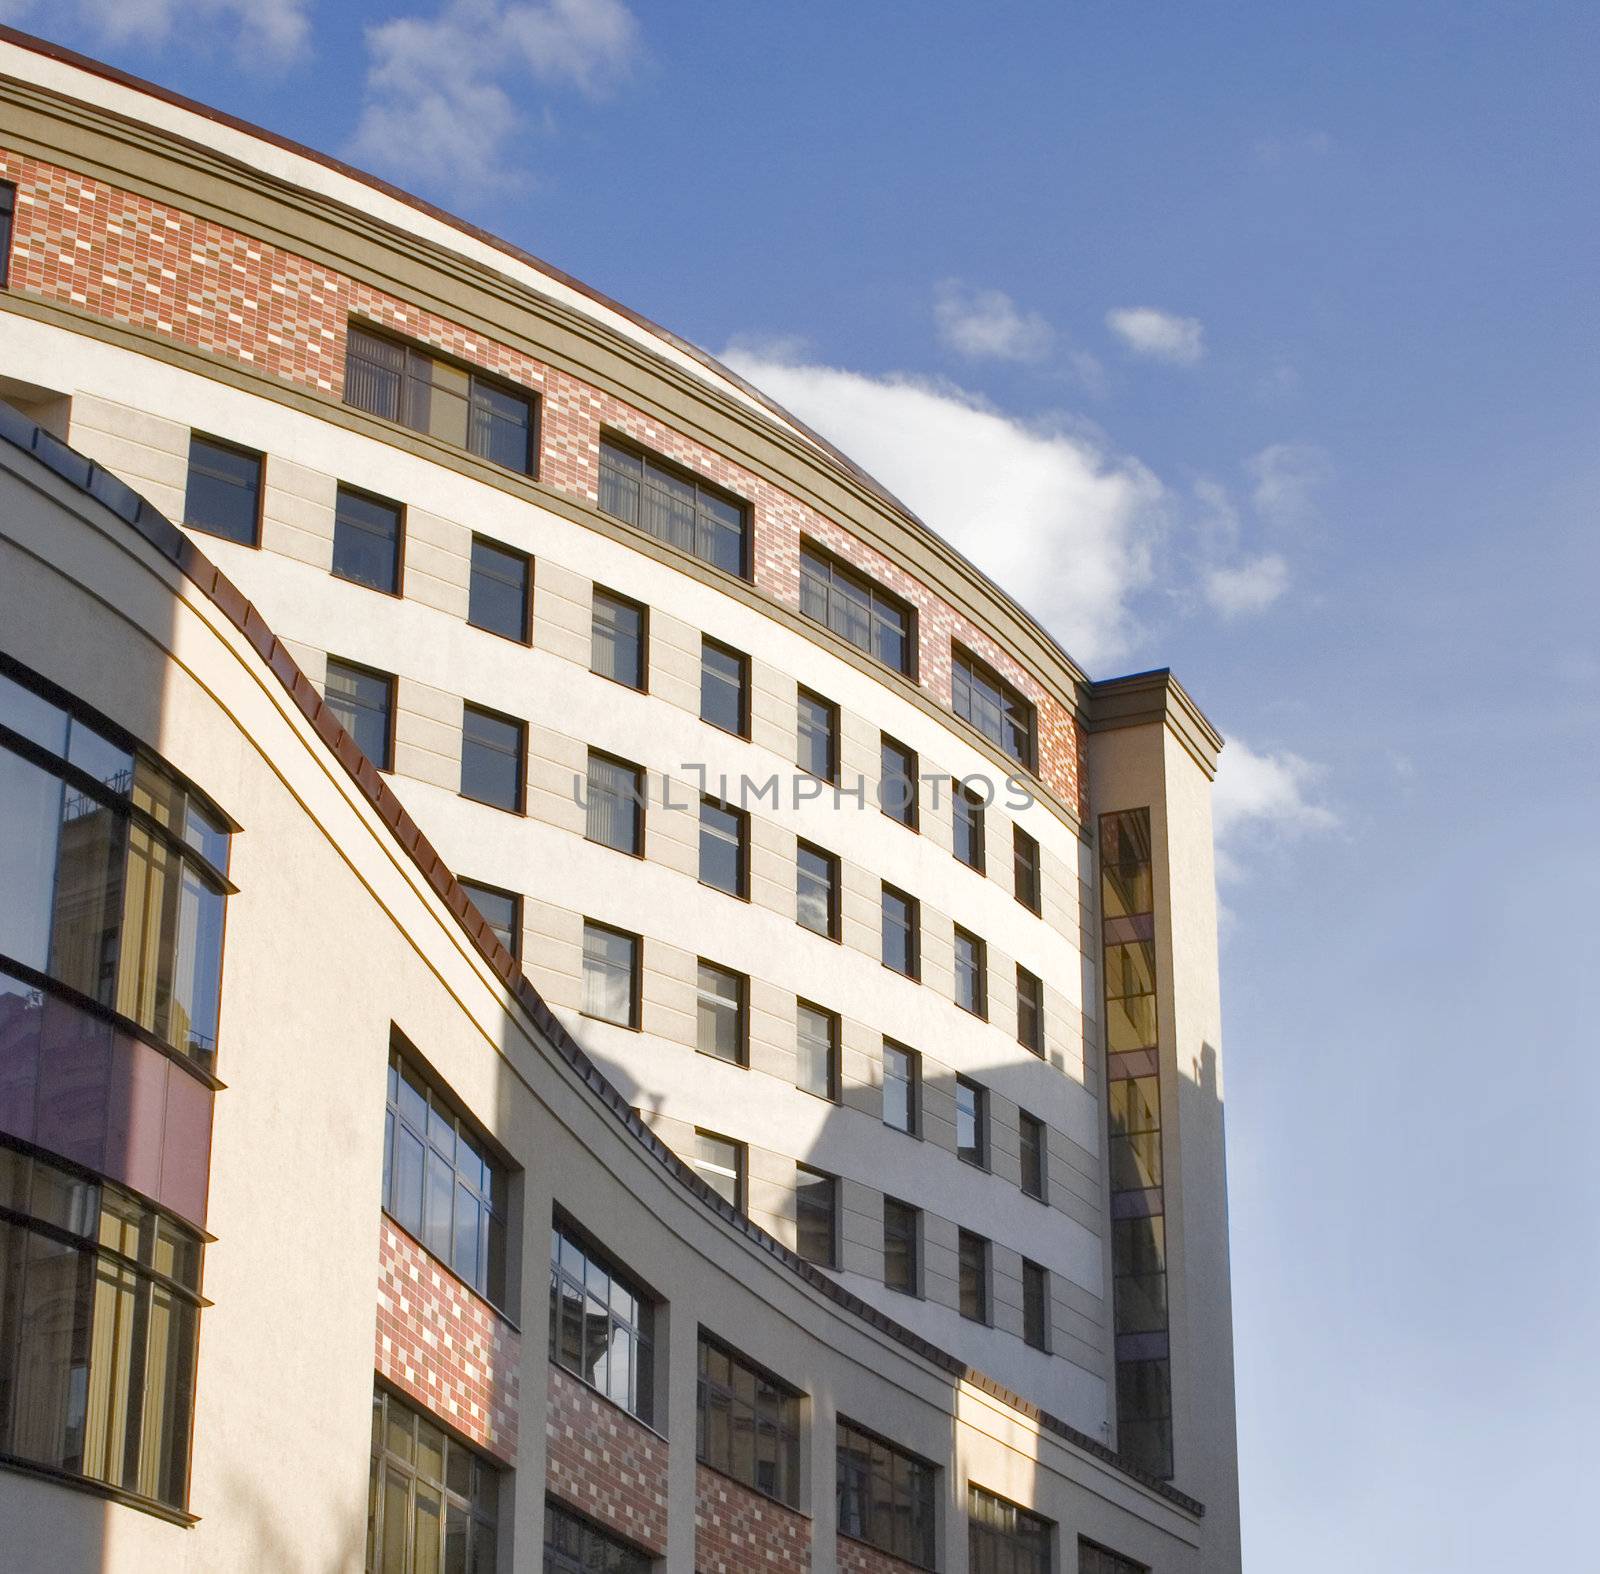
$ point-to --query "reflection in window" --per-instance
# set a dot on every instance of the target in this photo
(816, 875)
(724, 846)
(502, 909)
(8, 205)
(886, 1495)
(747, 1423)
(972, 1122)
(982, 697)
(366, 540)
(897, 783)
(574, 1546)
(363, 701)
(1004, 1539)
(902, 1267)
(602, 1326)
(900, 921)
(817, 736)
(902, 1077)
(674, 506)
(720, 1163)
(617, 642)
(856, 609)
(972, 970)
(614, 804)
(816, 1051)
(1098, 1560)
(1025, 868)
(499, 598)
(1030, 1010)
(1031, 1141)
(966, 809)
(724, 688)
(816, 1213)
(1035, 1305)
(223, 494)
(720, 1023)
(492, 751)
(972, 1253)
(610, 975)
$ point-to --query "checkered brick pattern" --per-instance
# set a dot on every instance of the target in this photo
(604, 1464)
(446, 1347)
(856, 1557)
(737, 1530)
(124, 257)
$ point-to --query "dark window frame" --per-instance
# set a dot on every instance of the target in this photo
(635, 975)
(821, 571)
(741, 819)
(639, 1332)
(1036, 1274)
(772, 1406)
(978, 1005)
(915, 1510)
(834, 1050)
(639, 793)
(1027, 870)
(835, 928)
(520, 807)
(8, 226)
(740, 1201)
(967, 811)
(243, 452)
(908, 1227)
(970, 1244)
(831, 1182)
(831, 710)
(602, 592)
(1104, 1561)
(599, 1547)
(913, 1081)
(610, 438)
(913, 970)
(1030, 1011)
(980, 1120)
(391, 685)
(397, 589)
(742, 663)
(473, 887)
(909, 813)
(1041, 1134)
(1023, 1546)
(741, 1055)
(967, 671)
(526, 635)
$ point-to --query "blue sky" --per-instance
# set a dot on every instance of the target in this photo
(1253, 339)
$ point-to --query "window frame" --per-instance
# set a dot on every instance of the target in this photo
(1029, 1548)
(913, 932)
(980, 1119)
(520, 807)
(742, 663)
(834, 569)
(635, 975)
(740, 1201)
(787, 1416)
(913, 1087)
(391, 688)
(833, 1050)
(910, 1216)
(923, 1477)
(908, 814)
(967, 807)
(8, 229)
(397, 590)
(1026, 1121)
(1037, 1273)
(741, 819)
(831, 710)
(968, 1243)
(978, 1005)
(610, 437)
(616, 598)
(835, 929)
(1030, 1005)
(640, 796)
(641, 1332)
(558, 1512)
(831, 1260)
(526, 636)
(973, 669)
(514, 897)
(243, 452)
(741, 1054)
(1020, 840)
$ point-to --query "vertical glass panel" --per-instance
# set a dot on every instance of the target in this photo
(88, 899)
(366, 541)
(614, 804)
(815, 885)
(436, 1226)
(502, 426)
(396, 1524)
(721, 1016)
(49, 1378)
(816, 1051)
(30, 828)
(722, 847)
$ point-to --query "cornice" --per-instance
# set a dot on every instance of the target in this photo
(1146, 698)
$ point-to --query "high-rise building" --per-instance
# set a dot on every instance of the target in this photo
(499, 822)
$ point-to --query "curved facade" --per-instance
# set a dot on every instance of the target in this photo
(843, 1093)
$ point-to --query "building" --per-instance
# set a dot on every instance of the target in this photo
(498, 814)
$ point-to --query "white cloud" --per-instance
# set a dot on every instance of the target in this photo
(269, 32)
(1159, 335)
(986, 325)
(1264, 794)
(1251, 586)
(1286, 478)
(445, 93)
(1064, 525)
(1271, 152)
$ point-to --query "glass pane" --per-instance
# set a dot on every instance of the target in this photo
(30, 825)
(618, 642)
(499, 595)
(223, 493)
(615, 800)
(722, 848)
(491, 759)
(362, 701)
(49, 1382)
(366, 541)
(88, 898)
(36, 719)
(721, 688)
(502, 426)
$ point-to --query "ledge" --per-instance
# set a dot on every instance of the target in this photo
(1143, 698)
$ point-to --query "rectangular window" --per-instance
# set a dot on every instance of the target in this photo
(897, 783)
(440, 1182)
(1031, 1139)
(816, 879)
(856, 609)
(886, 1496)
(614, 804)
(720, 1162)
(902, 1247)
(502, 909)
(493, 748)
(1030, 1010)
(747, 1425)
(1139, 1256)
(1094, 1559)
(902, 1088)
(972, 1123)
(724, 688)
(574, 1546)
(966, 808)
(1025, 868)
(816, 1051)
(8, 207)
(367, 536)
(404, 383)
(602, 1324)
(724, 847)
(972, 973)
(675, 506)
(816, 1213)
(720, 1027)
(500, 598)
(1004, 1539)
(1035, 1305)
(817, 736)
(363, 701)
(1134, 1106)
(973, 1254)
(900, 923)
(981, 696)
(610, 975)
(617, 648)
(223, 496)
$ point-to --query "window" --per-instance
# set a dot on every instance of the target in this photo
(1035, 1305)
(404, 383)
(1144, 1414)
(1030, 1010)
(856, 609)
(440, 1183)
(984, 698)
(503, 911)
(8, 206)
(492, 752)
(966, 808)
(972, 1123)
(1134, 1104)
(102, 1312)
(724, 847)
(897, 786)
(432, 1503)
(1032, 1141)
(973, 1254)
(1025, 868)
(902, 1088)
(748, 1423)
(614, 804)
(602, 1324)
(724, 688)
(574, 1546)
(885, 1495)
(972, 968)
(363, 701)
(499, 599)
(902, 1247)
(674, 506)
(113, 871)
(617, 649)
(1093, 1559)
(900, 923)
(816, 1214)
(720, 1162)
(223, 497)
(1004, 1539)
(1139, 1258)
(367, 534)
(817, 736)
(816, 1051)
(816, 880)
(610, 975)
(720, 1029)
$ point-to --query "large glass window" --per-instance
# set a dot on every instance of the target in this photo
(1004, 1539)
(897, 783)
(223, 495)
(816, 1216)
(610, 975)
(720, 1027)
(574, 1546)
(363, 700)
(856, 609)
(440, 1183)
(492, 751)
(720, 1163)
(902, 1088)
(998, 711)
(886, 1495)
(902, 1246)
(404, 383)
(1031, 1142)
(816, 1051)
(674, 506)
(724, 847)
(900, 922)
(816, 879)
(966, 809)
(617, 646)
(367, 540)
(1134, 1105)
(614, 806)
(972, 973)
(112, 873)
(602, 1324)
(99, 1312)
(747, 1423)
(503, 909)
(432, 1502)
(500, 595)
(817, 735)
(1035, 1305)
(724, 688)
(972, 1253)
(972, 1122)
(1030, 1010)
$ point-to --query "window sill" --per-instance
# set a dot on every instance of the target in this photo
(524, 640)
(99, 1489)
(627, 1027)
(621, 683)
(519, 810)
(397, 594)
